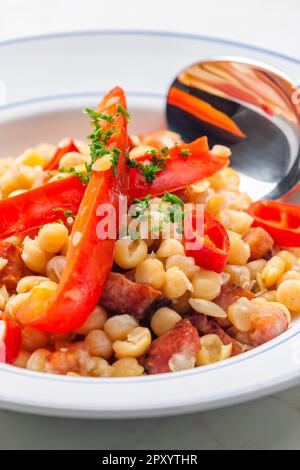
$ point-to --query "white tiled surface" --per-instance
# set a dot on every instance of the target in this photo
(272, 422)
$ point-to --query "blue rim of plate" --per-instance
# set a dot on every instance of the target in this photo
(229, 362)
(137, 32)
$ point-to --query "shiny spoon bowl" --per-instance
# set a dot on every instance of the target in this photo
(250, 107)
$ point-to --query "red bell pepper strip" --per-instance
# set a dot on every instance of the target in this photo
(19, 214)
(10, 339)
(35, 207)
(213, 244)
(89, 259)
(203, 111)
(180, 170)
(280, 220)
(60, 152)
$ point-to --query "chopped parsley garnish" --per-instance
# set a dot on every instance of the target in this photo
(185, 153)
(57, 209)
(149, 169)
(115, 159)
(123, 111)
(68, 213)
(84, 178)
(164, 151)
(156, 165)
(96, 116)
(98, 141)
(172, 198)
(141, 205)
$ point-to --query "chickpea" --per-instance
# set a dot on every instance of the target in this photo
(140, 151)
(176, 284)
(272, 271)
(119, 326)
(181, 361)
(291, 274)
(127, 367)
(239, 251)
(269, 295)
(33, 339)
(99, 344)
(135, 345)
(239, 275)
(72, 159)
(151, 271)
(34, 257)
(225, 179)
(236, 221)
(52, 237)
(185, 263)
(16, 302)
(38, 299)
(239, 313)
(212, 350)
(28, 282)
(206, 284)
(37, 360)
(288, 293)
(99, 367)
(170, 247)
(163, 320)
(256, 267)
(95, 321)
(198, 193)
(288, 258)
(215, 204)
(130, 253)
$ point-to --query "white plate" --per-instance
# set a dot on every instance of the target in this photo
(48, 80)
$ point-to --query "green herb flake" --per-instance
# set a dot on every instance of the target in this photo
(68, 213)
(115, 159)
(141, 206)
(172, 198)
(96, 116)
(123, 111)
(164, 151)
(185, 153)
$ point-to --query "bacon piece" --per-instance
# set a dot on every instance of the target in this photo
(259, 241)
(182, 339)
(206, 326)
(12, 272)
(229, 294)
(120, 296)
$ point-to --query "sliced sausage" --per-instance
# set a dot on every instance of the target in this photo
(120, 296)
(182, 339)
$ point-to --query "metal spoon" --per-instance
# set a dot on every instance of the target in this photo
(261, 102)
